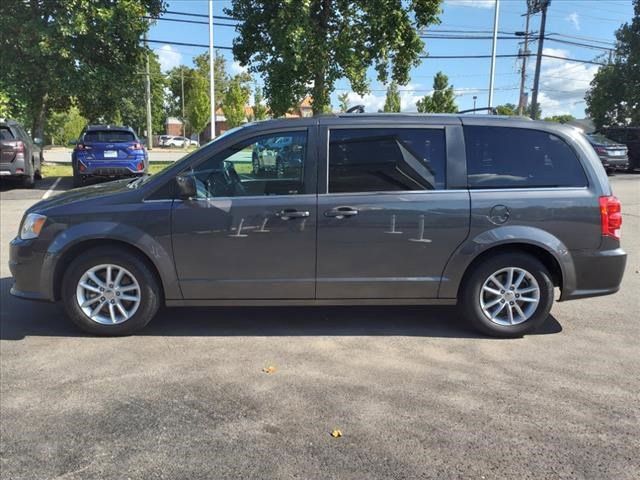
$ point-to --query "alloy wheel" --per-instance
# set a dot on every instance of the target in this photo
(510, 296)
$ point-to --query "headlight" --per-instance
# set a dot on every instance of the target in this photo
(32, 225)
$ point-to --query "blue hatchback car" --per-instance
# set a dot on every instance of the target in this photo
(108, 151)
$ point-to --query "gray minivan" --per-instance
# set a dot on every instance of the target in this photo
(487, 212)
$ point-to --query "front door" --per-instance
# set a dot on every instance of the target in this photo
(387, 225)
(250, 233)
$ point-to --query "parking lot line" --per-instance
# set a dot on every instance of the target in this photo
(49, 192)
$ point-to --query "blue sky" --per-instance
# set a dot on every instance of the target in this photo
(563, 83)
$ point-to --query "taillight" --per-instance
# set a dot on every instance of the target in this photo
(135, 146)
(140, 166)
(19, 146)
(601, 150)
(610, 216)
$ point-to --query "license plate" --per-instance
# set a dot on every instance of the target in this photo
(617, 153)
(110, 154)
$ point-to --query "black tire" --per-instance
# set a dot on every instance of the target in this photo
(470, 304)
(150, 290)
(29, 180)
(78, 180)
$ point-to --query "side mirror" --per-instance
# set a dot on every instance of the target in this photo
(38, 141)
(186, 186)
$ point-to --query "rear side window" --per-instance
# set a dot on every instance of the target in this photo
(499, 157)
(386, 159)
(5, 134)
(109, 136)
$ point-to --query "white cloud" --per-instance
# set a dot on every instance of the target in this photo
(236, 68)
(471, 3)
(563, 84)
(168, 57)
(574, 19)
(371, 102)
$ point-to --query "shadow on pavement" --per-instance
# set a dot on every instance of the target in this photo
(20, 319)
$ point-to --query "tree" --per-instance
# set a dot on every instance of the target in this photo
(302, 48)
(507, 109)
(259, 109)
(62, 127)
(53, 51)
(443, 99)
(234, 101)
(197, 106)
(614, 97)
(565, 118)
(392, 101)
(344, 101)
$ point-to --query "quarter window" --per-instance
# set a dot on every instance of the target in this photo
(265, 165)
(386, 159)
(499, 157)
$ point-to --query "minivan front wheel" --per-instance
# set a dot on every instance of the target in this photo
(110, 291)
(507, 295)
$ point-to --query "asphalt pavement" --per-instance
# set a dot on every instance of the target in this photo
(414, 391)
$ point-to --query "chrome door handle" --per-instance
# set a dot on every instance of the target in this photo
(289, 214)
(341, 212)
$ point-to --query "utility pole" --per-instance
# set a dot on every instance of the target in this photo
(493, 51)
(148, 95)
(522, 104)
(211, 76)
(184, 120)
(538, 6)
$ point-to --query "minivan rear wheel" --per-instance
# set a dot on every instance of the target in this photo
(110, 291)
(507, 295)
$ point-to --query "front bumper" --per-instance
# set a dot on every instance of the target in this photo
(29, 268)
(597, 272)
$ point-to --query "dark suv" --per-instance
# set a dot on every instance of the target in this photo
(488, 212)
(20, 156)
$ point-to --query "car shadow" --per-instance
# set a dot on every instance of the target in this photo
(20, 319)
(42, 185)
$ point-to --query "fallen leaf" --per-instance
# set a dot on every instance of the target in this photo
(269, 370)
(336, 433)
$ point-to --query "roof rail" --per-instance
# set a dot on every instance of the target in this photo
(492, 110)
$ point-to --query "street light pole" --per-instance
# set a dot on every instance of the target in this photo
(475, 97)
(522, 104)
(493, 51)
(211, 76)
(147, 82)
(184, 122)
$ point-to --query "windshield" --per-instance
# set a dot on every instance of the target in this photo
(109, 136)
(599, 138)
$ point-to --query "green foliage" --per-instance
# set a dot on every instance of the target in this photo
(566, 118)
(344, 101)
(54, 51)
(259, 109)
(303, 47)
(62, 127)
(392, 100)
(234, 100)
(197, 102)
(443, 99)
(5, 108)
(614, 97)
(507, 109)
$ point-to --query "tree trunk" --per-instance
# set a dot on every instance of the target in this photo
(39, 118)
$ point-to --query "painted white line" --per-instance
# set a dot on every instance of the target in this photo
(49, 192)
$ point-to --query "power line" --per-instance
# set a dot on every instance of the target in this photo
(199, 22)
(450, 57)
(184, 44)
(201, 15)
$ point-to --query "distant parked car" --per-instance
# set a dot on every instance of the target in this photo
(108, 151)
(276, 156)
(178, 141)
(20, 156)
(162, 139)
(613, 155)
(629, 136)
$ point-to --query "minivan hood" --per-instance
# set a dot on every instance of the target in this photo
(77, 195)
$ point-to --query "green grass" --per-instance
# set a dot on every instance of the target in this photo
(64, 170)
